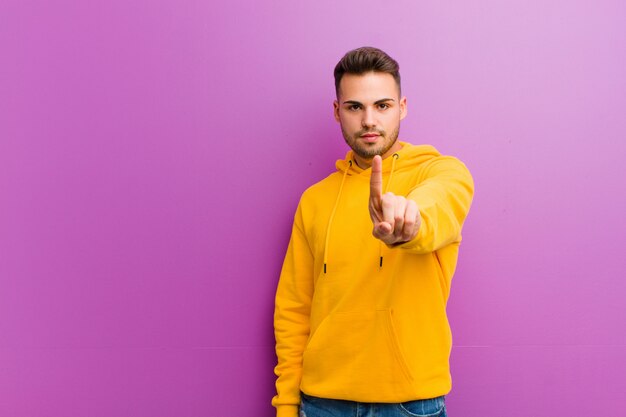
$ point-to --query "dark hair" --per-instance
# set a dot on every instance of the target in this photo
(366, 59)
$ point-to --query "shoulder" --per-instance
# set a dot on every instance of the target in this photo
(424, 156)
(321, 188)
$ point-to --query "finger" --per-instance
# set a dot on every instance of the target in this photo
(411, 224)
(382, 231)
(389, 210)
(399, 214)
(376, 181)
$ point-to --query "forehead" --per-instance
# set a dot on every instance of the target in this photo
(371, 86)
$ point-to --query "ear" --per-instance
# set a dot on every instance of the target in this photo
(403, 108)
(336, 109)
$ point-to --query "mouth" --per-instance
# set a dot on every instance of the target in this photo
(370, 137)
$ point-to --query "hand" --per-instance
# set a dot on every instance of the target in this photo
(396, 219)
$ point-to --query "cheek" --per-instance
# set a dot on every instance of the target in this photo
(395, 120)
(349, 121)
(391, 120)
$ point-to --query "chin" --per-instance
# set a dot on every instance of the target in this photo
(372, 151)
(367, 153)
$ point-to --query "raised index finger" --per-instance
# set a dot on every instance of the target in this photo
(376, 180)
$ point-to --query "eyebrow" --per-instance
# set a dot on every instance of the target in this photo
(382, 100)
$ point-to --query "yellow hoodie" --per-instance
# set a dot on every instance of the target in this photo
(356, 319)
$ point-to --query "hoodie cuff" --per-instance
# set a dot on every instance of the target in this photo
(287, 411)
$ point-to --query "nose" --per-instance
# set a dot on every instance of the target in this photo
(368, 120)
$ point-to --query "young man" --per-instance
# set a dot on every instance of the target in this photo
(360, 320)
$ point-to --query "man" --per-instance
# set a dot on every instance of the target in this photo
(360, 320)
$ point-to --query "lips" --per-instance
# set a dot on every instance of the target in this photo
(370, 137)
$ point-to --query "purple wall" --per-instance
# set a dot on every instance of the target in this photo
(152, 154)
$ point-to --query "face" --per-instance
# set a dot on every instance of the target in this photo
(369, 110)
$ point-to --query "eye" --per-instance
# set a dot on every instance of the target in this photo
(354, 107)
(383, 106)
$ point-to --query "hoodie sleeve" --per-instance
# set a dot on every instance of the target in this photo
(291, 319)
(443, 196)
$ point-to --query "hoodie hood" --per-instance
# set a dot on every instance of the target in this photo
(408, 156)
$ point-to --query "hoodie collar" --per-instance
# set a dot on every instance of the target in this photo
(407, 154)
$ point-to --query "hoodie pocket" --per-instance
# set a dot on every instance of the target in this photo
(356, 349)
(395, 345)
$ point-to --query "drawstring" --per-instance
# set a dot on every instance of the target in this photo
(395, 156)
(332, 214)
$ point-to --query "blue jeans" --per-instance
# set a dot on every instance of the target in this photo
(321, 407)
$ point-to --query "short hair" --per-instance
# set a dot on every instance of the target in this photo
(366, 59)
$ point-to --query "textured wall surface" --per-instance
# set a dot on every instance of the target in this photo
(152, 154)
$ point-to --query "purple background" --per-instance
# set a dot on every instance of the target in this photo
(152, 154)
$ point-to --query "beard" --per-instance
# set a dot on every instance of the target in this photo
(368, 151)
